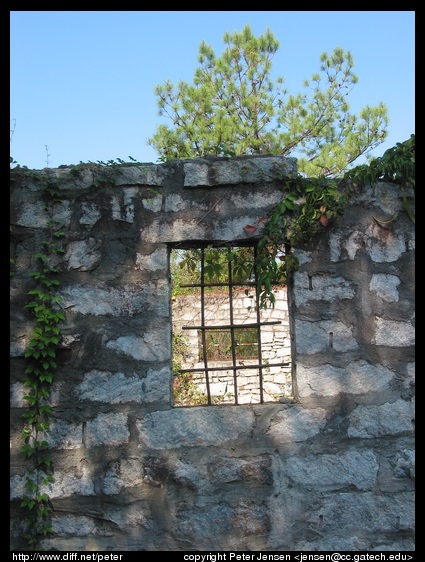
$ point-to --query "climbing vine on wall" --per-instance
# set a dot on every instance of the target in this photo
(44, 343)
(40, 355)
(396, 165)
(308, 206)
(311, 205)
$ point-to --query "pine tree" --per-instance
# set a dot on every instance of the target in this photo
(234, 108)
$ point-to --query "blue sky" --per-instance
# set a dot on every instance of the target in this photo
(82, 82)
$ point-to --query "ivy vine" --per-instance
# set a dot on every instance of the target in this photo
(313, 204)
(42, 348)
(396, 165)
(41, 366)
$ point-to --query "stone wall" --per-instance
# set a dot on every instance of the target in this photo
(332, 470)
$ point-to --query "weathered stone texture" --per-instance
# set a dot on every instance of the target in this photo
(333, 469)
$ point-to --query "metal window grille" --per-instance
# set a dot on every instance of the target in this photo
(227, 348)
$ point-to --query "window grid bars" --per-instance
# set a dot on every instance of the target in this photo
(203, 328)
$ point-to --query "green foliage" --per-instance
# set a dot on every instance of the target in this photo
(41, 358)
(180, 351)
(186, 266)
(311, 205)
(396, 165)
(219, 344)
(234, 108)
(307, 207)
(186, 391)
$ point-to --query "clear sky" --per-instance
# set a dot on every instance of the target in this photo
(82, 82)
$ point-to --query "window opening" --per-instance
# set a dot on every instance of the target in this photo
(226, 349)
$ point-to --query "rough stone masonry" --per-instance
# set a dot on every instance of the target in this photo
(332, 471)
